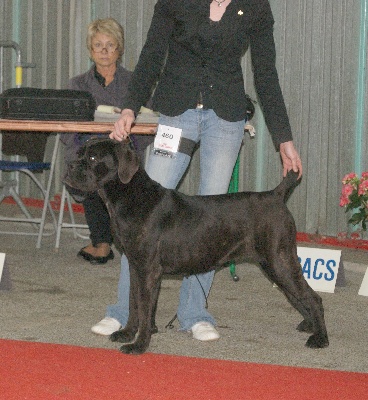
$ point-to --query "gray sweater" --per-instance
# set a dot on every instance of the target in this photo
(112, 95)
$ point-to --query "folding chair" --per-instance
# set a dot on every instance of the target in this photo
(9, 188)
(65, 197)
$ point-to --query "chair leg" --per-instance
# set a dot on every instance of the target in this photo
(71, 215)
(73, 224)
(60, 220)
(47, 204)
(9, 191)
(13, 193)
(65, 197)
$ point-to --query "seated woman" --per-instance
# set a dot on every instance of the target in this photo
(107, 80)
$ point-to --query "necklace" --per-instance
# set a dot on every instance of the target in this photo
(219, 2)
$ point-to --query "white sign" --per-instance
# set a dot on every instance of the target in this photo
(2, 261)
(320, 267)
(363, 291)
(167, 139)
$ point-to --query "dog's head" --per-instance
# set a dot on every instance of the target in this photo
(99, 161)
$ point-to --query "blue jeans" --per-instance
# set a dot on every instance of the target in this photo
(220, 142)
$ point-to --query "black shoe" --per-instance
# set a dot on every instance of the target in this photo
(95, 260)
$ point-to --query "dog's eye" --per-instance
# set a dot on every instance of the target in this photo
(92, 158)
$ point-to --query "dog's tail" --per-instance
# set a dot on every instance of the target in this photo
(287, 185)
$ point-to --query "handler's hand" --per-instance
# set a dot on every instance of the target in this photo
(290, 158)
(123, 125)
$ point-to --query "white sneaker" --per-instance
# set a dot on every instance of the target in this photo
(106, 327)
(204, 331)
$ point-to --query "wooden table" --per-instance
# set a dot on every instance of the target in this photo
(70, 126)
(60, 127)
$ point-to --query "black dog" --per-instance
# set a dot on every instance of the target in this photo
(164, 231)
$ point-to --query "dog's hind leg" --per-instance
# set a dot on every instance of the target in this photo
(286, 272)
(280, 281)
(154, 328)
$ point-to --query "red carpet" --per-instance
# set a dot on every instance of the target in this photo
(47, 371)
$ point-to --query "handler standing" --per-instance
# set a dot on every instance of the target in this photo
(193, 52)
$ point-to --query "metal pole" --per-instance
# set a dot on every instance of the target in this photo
(18, 63)
(233, 188)
(362, 74)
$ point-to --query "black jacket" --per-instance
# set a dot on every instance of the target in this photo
(189, 55)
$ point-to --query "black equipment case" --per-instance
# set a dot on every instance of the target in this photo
(47, 104)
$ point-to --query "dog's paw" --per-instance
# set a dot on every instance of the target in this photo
(122, 336)
(133, 349)
(305, 326)
(317, 341)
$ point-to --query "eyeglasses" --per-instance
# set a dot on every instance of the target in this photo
(109, 47)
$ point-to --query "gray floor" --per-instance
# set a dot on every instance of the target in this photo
(56, 297)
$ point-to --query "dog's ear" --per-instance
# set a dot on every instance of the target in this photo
(128, 162)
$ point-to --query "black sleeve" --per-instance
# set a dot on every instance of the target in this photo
(266, 79)
(152, 57)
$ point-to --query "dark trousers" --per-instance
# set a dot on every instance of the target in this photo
(96, 214)
(97, 218)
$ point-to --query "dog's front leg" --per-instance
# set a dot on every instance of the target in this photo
(148, 290)
(127, 334)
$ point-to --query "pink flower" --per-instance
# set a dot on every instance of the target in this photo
(349, 177)
(365, 175)
(363, 188)
(347, 189)
(354, 196)
(344, 201)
